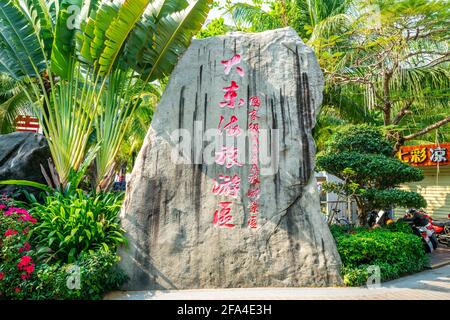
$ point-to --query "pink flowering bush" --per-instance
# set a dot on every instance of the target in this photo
(17, 264)
(29, 265)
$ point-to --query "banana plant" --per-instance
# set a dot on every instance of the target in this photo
(82, 58)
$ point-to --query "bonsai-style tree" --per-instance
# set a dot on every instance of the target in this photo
(363, 159)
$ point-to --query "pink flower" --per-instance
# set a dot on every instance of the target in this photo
(2, 206)
(25, 216)
(10, 232)
(17, 290)
(12, 210)
(2, 275)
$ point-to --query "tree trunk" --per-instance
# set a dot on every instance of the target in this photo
(361, 211)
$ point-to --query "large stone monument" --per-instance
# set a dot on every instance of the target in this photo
(223, 192)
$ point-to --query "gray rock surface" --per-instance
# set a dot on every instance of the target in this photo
(21, 154)
(169, 207)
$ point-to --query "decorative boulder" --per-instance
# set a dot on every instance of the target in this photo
(21, 154)
(223, 192)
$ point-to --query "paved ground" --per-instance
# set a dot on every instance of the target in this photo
(440, 257)
(428, 285)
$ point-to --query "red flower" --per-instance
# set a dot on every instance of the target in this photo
(23, 264)
(17, 290)
(10, 232)
(2, 275)
(26, 247)
(25, 276)
(25, 231)
(29, 269)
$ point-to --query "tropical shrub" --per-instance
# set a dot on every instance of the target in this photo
(362, 158)
(70, 224)
(98, 274)
(17, 255)
(29, 270)
(396, 251)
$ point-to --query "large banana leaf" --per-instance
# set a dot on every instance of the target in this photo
(21, 52)
(105, 34)
(173, 34)
(64, 40)
(38, 14)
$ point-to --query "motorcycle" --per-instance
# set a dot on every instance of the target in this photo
(441, 230)
(421, 226)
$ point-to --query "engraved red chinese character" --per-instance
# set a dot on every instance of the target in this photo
(232, 129)
(254, 127)
(227, 156)
(227, 186)
(230, 96)
(253, 178)
(223, 217)
(228, 64)
(253, 207)
(255, 101)
(254, 194)
(252, 222)
(253, 115)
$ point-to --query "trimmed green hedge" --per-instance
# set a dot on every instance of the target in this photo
(396, 250)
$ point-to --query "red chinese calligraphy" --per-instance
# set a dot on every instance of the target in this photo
(255, 101)
(254, 127)
(227, 156)
(252, 223)
(230, 96)
(254, 193)
(253, 115)
(223, 217)
(232, 129)
(228, 64)
(240, 71)
(253, 207)
(228, 186)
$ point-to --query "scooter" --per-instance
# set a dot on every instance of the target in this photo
(442, 231)
(422, 227)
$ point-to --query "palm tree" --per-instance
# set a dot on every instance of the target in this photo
(304, 16)
(394, 59)
(385, 62)
(13, 102)
(89, 78)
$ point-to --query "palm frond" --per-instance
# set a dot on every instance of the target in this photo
(21, 53)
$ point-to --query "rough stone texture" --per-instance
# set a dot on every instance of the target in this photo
(168, 211)
(21, 154)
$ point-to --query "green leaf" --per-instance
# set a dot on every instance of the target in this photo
(64, 39)
(21, 53)
(28, 184)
